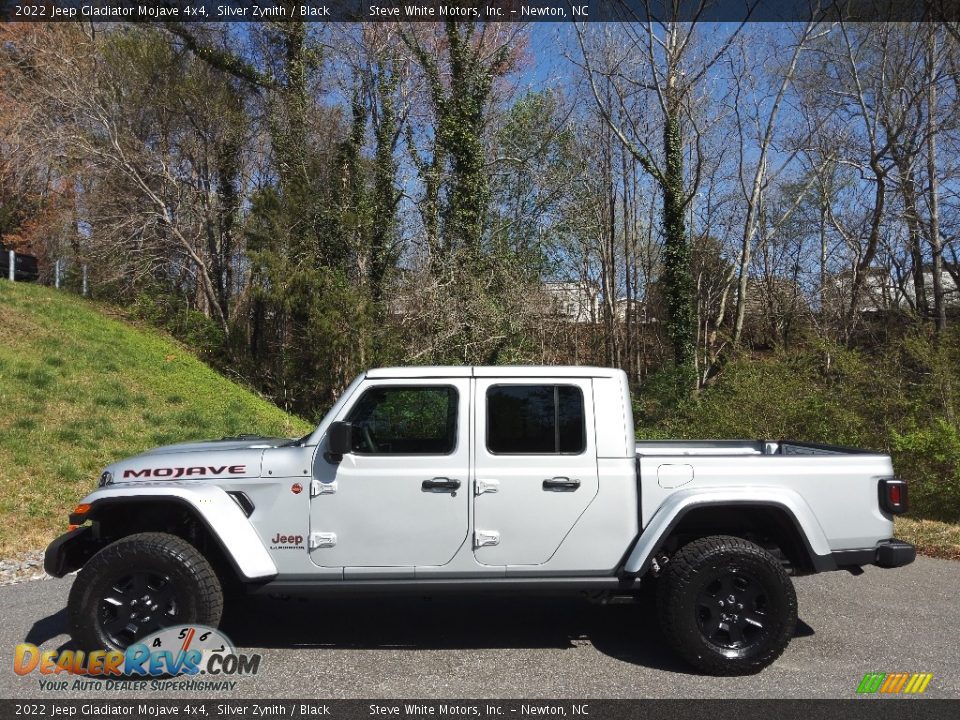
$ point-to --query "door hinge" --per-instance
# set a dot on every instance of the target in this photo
(485, 538)
(319, 488)
(485, 486)
(322, 540)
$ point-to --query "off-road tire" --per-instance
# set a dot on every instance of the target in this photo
(689, 605)
(195, 590)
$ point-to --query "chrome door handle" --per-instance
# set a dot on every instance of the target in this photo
(440, 484)
(561, 484)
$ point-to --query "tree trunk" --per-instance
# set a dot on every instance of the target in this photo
(912, 217)
(628, 260)
(677, 279)
(873, 239)
(936, 246)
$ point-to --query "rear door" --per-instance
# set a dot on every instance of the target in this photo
(535, 466)
(401, 498)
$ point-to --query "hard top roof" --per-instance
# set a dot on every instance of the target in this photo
(442, 371)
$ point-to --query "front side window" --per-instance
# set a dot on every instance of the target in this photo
(535, 419)
(405, 421)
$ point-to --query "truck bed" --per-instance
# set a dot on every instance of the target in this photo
(740, 447)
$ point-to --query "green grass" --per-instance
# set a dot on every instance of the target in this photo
(937, 539)
(80, 389)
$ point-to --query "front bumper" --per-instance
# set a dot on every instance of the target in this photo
(69, 552)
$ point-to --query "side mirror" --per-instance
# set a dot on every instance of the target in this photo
(340, 439)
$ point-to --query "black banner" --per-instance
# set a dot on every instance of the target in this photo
(886, 709)
(477, 10)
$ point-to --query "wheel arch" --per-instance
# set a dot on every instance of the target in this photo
(785, 521)
(215, 525)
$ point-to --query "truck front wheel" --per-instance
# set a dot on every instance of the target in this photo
(726, 605)
(138, 585)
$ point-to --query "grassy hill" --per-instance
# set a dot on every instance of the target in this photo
(80, 389)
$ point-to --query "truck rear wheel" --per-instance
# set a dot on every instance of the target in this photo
(138, 585)
(726, 605)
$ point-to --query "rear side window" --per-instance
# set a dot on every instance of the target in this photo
(405, 421)
(535, 419)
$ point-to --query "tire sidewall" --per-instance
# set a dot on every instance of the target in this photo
(111, 564)
(689, 573)
(778, 607)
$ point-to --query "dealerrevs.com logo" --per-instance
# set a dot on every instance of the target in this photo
(894, 683)
(191, 657)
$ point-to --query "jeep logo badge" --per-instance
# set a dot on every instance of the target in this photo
(280, 541)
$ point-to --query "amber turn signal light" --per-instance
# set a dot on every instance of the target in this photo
(78, 516)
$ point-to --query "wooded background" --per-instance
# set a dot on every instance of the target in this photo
(760, 219)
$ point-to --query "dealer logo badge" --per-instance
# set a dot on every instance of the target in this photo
(162, 657)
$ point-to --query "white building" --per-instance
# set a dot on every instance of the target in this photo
(951, 294)
(639, 312)
(574, 301)
(879, 291)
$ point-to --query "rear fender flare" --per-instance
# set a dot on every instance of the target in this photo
(669, 514)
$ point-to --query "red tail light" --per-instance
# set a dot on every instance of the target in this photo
(893, 495)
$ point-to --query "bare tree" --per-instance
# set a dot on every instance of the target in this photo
(936, 245)
(764, 120)
(157, 172)
(660, 63)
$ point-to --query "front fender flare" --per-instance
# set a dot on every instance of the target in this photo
(681, 502)
(220, 515)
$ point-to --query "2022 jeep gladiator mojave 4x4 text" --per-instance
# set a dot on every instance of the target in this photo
(469, 479)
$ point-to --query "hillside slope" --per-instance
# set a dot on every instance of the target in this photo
(79, 389)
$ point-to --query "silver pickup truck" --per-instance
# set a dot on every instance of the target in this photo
(516, 479)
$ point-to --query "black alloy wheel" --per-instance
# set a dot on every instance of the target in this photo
(137, 605)
(732, 610)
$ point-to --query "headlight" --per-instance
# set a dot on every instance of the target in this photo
(105, 479)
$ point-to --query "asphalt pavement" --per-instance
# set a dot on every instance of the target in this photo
(903, 620)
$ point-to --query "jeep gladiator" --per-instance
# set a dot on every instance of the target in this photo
(515, 479)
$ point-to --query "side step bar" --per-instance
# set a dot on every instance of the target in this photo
(427, 586)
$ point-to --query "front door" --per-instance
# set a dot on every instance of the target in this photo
(536, 466)
(401, 498)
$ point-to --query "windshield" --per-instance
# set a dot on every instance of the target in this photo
(314, 437)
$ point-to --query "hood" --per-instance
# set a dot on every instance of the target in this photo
(232, 457)
(239, 442)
